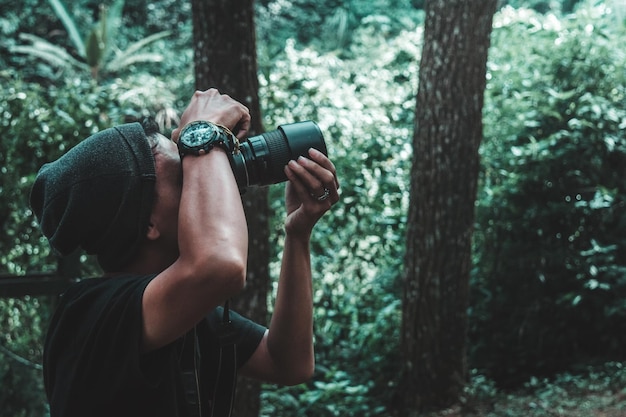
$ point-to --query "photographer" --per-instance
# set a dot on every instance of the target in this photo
(166, 222)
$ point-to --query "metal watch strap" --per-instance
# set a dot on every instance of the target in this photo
(234, 142)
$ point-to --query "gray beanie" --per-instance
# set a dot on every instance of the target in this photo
(98, 196)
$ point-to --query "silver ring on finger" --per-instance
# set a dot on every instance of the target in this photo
(324, 196)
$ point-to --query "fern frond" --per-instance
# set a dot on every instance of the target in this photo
(142, 43)
(127, 60)
(42, 49)
(70, 26)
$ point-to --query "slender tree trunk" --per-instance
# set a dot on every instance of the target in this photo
(448, 132)
(225, 58)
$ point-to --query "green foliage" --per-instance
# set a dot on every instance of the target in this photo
(94, 52)
(586, 391)
(23, 322)
(39, 127)
(328, 25)
(69, 25)
(548, 285)
(358, 246)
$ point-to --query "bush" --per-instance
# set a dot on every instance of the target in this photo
(358, 246)
(21, 343)
(549, 282)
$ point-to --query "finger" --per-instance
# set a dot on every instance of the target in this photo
(317, 182)
(318, 176)
(243, 126)
(301, 189)
(323, 160)
(311, 174)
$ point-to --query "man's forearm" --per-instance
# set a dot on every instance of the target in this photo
(290, 341)
(212, 220)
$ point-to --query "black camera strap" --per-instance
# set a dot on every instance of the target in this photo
(226, 380)
(190, 365)
(224, 398)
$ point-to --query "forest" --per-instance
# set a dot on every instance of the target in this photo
(546, 319)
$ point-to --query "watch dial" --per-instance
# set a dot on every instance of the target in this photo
(199, 135)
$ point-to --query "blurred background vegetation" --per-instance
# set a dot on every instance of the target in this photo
(549, 265)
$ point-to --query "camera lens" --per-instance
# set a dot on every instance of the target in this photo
(262, 158)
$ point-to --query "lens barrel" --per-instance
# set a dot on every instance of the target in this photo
(262, 159)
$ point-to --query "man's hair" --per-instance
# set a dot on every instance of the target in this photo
(149, 125)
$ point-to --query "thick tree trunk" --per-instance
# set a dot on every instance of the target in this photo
(448, 132)
(225, 58)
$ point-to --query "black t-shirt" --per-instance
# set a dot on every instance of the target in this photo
(92, 361)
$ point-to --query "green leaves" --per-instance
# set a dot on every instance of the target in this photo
(134, 55)
(95, 51)
(549, 232)
(54, 55)
(70, 26)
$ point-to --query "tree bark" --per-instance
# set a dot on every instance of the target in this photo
(444, 175)
(225, 58)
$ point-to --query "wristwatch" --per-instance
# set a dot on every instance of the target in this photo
(199, 137)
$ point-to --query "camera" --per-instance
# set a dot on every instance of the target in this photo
(261, 159)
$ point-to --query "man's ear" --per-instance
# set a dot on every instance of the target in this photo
(153, 232)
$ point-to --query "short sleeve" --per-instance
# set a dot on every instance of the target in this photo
(248, 333)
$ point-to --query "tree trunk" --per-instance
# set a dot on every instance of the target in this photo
(447, 134)
(225, 58)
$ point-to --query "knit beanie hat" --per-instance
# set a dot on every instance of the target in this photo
(98, 196)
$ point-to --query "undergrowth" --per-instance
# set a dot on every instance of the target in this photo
(594, 391)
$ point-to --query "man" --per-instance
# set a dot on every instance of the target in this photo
(171, 235)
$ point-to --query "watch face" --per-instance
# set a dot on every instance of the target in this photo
(200, 137)
(199, 134)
